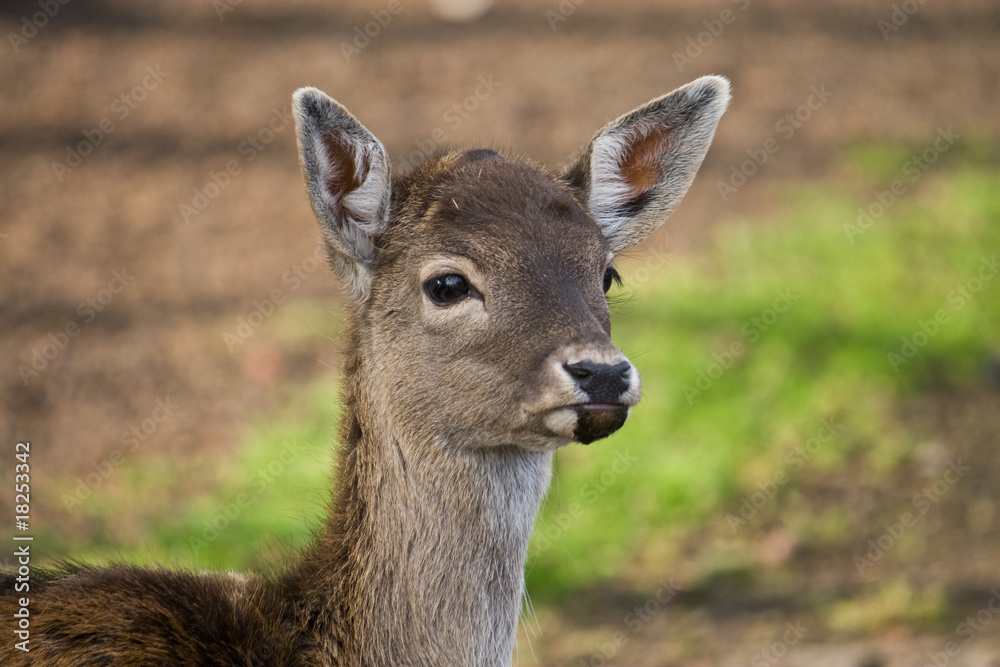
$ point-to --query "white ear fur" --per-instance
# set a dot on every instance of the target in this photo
(637, 168)
(347, 176)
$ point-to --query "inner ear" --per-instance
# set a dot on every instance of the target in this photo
(640, 163)
(640, 168)
(347, 175)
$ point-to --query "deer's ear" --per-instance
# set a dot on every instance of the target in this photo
(347, 175)
(636, 170)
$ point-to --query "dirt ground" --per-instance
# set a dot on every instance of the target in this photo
(152, 199)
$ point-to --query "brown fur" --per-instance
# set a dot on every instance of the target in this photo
(451, 412)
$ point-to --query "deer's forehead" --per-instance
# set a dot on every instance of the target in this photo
(514, 245)
(498, 213)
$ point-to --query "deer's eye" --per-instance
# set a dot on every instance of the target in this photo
(611, 276)
(447, 289)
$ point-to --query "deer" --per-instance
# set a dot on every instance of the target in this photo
(477, 343)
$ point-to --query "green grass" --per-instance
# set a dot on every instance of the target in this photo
(745, 348)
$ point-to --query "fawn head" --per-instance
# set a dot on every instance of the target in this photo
(478, 281)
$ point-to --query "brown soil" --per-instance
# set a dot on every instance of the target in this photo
(158, 98)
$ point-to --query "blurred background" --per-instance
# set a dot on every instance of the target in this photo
(812, 477)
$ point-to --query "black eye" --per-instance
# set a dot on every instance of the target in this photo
(447, 289)
(611, 277)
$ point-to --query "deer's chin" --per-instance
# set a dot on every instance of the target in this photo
(586, 422)
(598, 420)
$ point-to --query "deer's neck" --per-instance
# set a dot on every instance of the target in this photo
(422, 560)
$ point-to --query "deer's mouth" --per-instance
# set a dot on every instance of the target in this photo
(597, 420)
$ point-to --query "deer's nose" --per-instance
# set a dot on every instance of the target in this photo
(603, 383)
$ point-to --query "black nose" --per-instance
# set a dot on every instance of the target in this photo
(603, 383)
